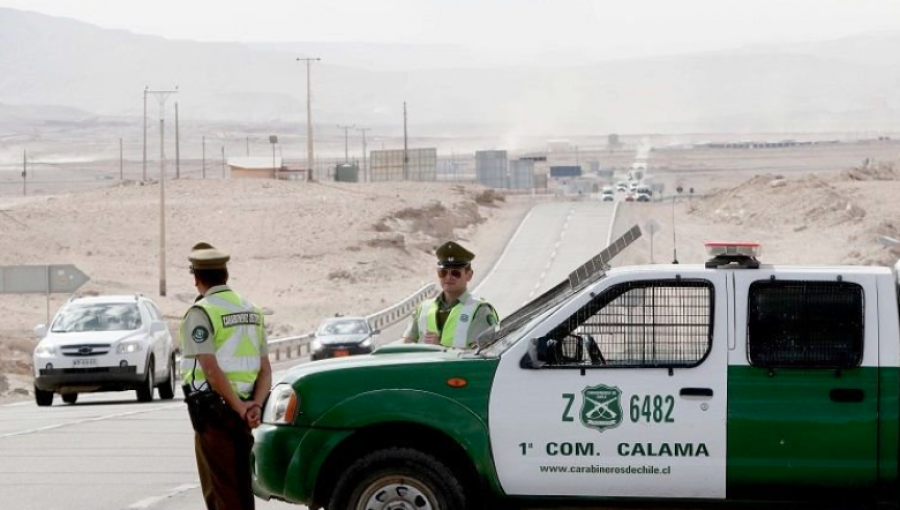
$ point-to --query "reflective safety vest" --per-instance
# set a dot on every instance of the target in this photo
(238, 328)
(456, 328)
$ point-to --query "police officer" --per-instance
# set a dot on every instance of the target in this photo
(454, 318)
(224, 351)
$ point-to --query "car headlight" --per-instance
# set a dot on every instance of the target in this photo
(366, 343)
(315, 345)
(45, 350)
(129, 347)
(282, 405)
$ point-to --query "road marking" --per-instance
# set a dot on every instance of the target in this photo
(512, 241)
(152, 501)
(89, 420)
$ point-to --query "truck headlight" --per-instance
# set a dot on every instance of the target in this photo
(315, 345)
(282, 406)
(129, 347)
(366, 343)
(45, 350)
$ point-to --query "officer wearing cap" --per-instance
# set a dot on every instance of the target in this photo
(224, 351)
(454, 318)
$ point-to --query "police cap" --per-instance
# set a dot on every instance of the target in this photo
(205, 256)
(451, 255)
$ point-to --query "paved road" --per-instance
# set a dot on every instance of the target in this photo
(109, 452)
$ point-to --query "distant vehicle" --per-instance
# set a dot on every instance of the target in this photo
(644, 193)
(104, 343)
(342, 336)
(629, 197)
(621, 186)
(607, 194)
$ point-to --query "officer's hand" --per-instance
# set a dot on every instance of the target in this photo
(254, 416)
(430, 338)
(243, 409)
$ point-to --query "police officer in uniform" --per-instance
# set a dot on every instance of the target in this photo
(225, 354)
(454, 318)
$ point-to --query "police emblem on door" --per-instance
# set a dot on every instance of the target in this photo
(601, 407)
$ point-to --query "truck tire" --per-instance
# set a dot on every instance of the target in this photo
(70, 398)
(167, 387)
(43, 398)
(145, 392)
(398, 478)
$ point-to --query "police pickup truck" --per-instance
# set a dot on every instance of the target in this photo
(730, 380)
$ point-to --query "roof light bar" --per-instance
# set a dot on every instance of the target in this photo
(724, 253)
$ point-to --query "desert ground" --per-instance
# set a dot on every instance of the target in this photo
(305, 251)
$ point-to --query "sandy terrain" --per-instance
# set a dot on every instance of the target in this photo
(309, 251)
(304, 252)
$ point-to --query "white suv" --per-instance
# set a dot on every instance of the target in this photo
(104, 343)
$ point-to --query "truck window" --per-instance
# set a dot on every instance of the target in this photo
(646, 324)
(805, 324)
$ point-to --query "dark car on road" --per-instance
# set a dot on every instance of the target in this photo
(343, 336)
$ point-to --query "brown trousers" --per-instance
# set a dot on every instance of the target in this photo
(223, 461)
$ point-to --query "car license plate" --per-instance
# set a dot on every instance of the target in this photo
(81, 363)
(342, 352)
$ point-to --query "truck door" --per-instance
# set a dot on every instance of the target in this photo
(803, 384)
(632, 399)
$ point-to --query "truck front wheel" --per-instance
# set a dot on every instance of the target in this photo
(398, 478)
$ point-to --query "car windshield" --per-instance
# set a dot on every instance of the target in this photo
(346, 327)
(98, 317)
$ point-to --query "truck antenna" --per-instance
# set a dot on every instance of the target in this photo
(674, 243)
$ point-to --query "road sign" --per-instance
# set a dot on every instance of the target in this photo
(652, 226)
(52, 279)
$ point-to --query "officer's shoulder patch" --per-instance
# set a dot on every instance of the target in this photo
(464, 318)
(491, 319)
(200, 334)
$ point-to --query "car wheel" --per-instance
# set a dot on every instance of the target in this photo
(70, 398)
(167, 388)
(145, 392)
(398, 478)
(43, 398)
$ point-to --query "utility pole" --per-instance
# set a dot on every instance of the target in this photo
(405, 147)
(223, 161)
(24, 172)
(204, 158)
(366, 177)
(162, 96)
(248, 146)
(177, 146)
(346, 146)
(310, 158)
(121, 162)
(144, 175)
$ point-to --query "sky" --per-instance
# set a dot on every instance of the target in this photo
(596, 29)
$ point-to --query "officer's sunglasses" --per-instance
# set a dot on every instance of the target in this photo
(456, 273)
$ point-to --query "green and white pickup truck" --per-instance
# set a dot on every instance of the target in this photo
(731, 380)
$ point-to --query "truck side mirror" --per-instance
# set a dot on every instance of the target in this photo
(40, 331)
(540, 352)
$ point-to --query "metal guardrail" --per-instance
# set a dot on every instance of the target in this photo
(298, 346)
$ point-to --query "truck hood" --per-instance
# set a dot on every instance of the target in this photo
(385, 356)
(89, 337)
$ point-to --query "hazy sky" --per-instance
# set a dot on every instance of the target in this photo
(595, 28)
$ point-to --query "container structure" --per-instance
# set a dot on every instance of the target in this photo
(491, 169)
(521, 174)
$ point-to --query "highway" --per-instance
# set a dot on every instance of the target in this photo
(109, 452)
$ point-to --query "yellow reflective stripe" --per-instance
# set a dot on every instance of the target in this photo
(460, 329)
